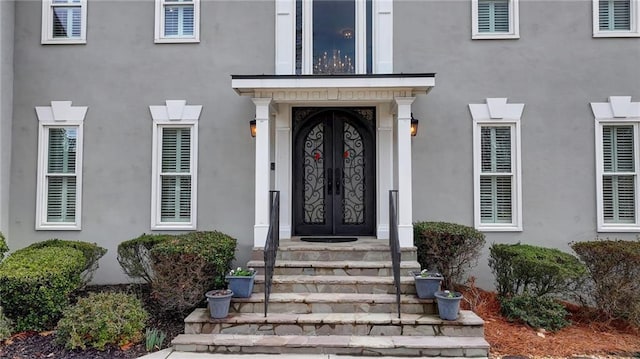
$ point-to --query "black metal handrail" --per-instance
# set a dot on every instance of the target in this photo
(271, 245)
(394, 243)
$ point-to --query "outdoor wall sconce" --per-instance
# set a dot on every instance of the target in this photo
(252, 127)
(414, 126)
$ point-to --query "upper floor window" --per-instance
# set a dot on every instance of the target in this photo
(59, 182)
(174, 168)
(64, 21)
(177, 21)
(496, 165)
(617, 164)
(495, 19)
(333, 36)
(616, 18)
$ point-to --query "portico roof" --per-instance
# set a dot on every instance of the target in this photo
(291, 88)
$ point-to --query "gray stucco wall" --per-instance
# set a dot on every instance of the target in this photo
(556, 69)
(118, 74)
(6, 104)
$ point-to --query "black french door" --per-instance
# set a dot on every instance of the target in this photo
(334, 171)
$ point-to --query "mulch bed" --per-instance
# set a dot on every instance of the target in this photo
(33, 345)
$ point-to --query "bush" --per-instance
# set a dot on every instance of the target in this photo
(3, 247)
(35, 285)
(102, 319)
(520, 268)
(6, 326)
(538, 312)
(134, 255)
(188, 265)
(449, 248)
(614, 268)
(91, 251)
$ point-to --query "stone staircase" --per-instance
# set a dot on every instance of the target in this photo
(335, 298)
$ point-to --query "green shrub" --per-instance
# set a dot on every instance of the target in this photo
(188, 265)
(102, 319)
(614, 268)
(522, 268)
(35, 285)
(6, 326)
(449, 248)
(91, 251)
(538, 312)
(3, 247)
(134, 255)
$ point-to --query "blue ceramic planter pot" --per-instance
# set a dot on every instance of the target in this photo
(219, 302)
(448, 307)
(242, 287)
(426, 287)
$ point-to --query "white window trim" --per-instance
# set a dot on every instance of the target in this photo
(618, 111)
(59, 114)
(497, 112)
(514, 23)
(635, 17)
(47, 26)
(159, 37)
(176, 113)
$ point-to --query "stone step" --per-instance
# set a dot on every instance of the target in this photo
(407, 346)
(305, 303)
(336, 284)
(362, 250)
(467, 325)
(347, 268)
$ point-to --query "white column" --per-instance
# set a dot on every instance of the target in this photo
(263, 175)
(283, 167)
(384, 167)
(403, 143)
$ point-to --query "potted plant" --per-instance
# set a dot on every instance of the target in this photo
(219, 302)
(448, 304)
(427, 283)
(241, 282)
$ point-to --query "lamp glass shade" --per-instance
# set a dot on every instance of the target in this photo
(252, 127)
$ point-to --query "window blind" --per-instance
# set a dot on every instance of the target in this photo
(175, 178)
(61, 174)
(179, 18)
(619, 177)
(614, 15)
(493, 16)
(496, 177)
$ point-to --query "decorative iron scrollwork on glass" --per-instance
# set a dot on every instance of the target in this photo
(353, 176)
(314, 176)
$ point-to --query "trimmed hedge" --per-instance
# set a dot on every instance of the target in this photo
(538, 312)
(186, 266)
(614, 268)
(91, 251)
(134, 255)
(102, 319)
(448, 248)
(521, 268)
(3, 246)
(35, 284)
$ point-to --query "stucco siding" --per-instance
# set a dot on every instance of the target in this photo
(6, 104)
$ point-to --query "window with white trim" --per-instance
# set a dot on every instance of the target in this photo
(497, 169)
(495, 19)
(64, 21)
(174, 169)
(59, 182)
(617, 124)
(616, 18)
(177, 21)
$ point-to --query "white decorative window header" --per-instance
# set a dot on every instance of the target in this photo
(496, 109)
(175, 110)
(618, 107)
(61, 112)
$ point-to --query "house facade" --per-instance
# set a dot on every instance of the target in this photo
(122, 118)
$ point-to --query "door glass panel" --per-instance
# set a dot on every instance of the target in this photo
(353, 176)
(334, 38)
(313, 173)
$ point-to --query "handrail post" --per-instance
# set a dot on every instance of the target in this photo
(271, 245)
(394, 243)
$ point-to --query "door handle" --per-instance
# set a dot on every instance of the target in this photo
(338, 180)
(329, 180)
